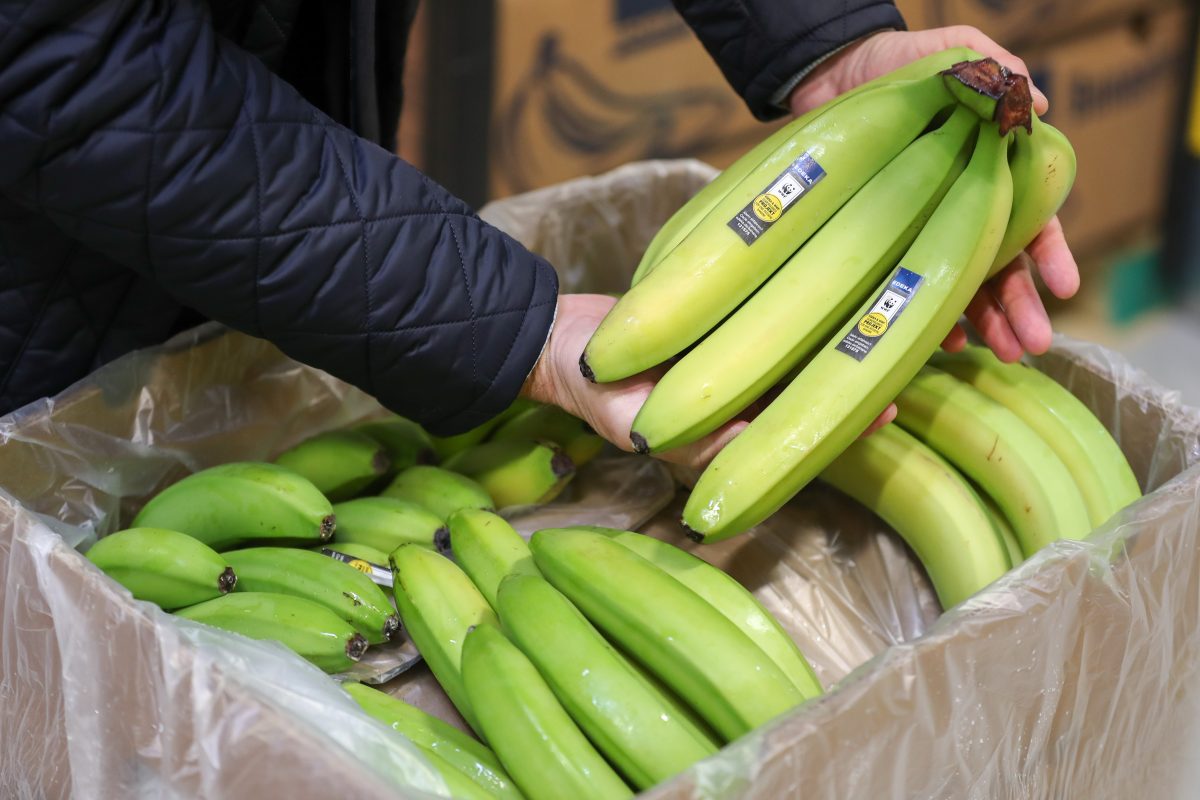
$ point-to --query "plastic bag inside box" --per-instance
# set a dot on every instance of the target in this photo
(1073, 676)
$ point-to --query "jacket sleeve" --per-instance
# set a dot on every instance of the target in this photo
(142, 134)
(762, 45)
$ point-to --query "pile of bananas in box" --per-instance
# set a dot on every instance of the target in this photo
(593, 662)
(265, 549)
(827, 264)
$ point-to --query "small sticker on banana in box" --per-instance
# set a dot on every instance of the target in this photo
(770, 204)
(376, 572)
(871, 327)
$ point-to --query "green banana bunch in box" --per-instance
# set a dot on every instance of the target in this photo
(234, 504)
(168, 568)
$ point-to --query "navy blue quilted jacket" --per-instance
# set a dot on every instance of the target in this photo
(167, 161)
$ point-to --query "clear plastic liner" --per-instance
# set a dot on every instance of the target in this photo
(1073, 676)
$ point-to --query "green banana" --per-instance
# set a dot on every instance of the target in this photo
(247, 501)
(677, 635)
(405, 441)
(726, 595)
(802, 304)
(339, 463)
(447, 446)
(854, 377)
(539, 745)
(516, 473)
(1011, 545)
(437, 604)
(386, 522)
(627, 719)
(926, 501)
(339, 587)
(1002, 454)
(747, 235)
(309, 629)
(1085, 446)
(695, 209)
(363, 552)
(458, 751)
(439, 490)
(488, 549)
(168, 568)
(1043, 170)
(551, 423)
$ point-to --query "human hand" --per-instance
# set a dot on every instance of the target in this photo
(1007, 312)
(609, 408)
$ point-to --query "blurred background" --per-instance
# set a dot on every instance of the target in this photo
(504, 96)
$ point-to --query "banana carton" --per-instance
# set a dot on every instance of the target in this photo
(1072, 676)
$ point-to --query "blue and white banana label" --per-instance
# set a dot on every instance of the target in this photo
(769, 206)
(883, 314)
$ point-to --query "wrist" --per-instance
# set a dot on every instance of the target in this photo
(826, 78)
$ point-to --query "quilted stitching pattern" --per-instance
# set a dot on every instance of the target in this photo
(146, 138)
(761, 44)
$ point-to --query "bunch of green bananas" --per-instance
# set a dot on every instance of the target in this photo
(593, 661)
(827, 264)
(248, 527)
(987, 463)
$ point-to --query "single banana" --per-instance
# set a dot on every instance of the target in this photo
(386, 522)
(697, 207)
(1043, 170)
(1000, 523)
(854, 377)
(552, 424)
(729, 597)
(439, 490)
(362, 552)
(309, 629)
(802, 304)
(747, 235)
(627, 719)
(168, 568)
(339, 587)
(516, 473)
(1085, 446)
(437, 604)
(536, 740)
(488, 549)
(247, 501)
(926, 501)
(339, 463)
(461, 753)
(675, 633)
(405, 441)
(447, 446)
(991, 444)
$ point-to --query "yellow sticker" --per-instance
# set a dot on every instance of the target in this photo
(360, 565)
(768, 207)
(873, 324)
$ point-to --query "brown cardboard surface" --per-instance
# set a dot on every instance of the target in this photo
(1115, 94)
(1019, 23)
(581, 91)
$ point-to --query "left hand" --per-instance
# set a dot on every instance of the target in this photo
(1007, 311)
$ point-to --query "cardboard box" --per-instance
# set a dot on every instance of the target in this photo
(1116, 95)
(526, 93)
(1074, 676)
(1016, 24)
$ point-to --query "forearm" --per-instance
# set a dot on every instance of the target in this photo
(144, 135)
(762, 45)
